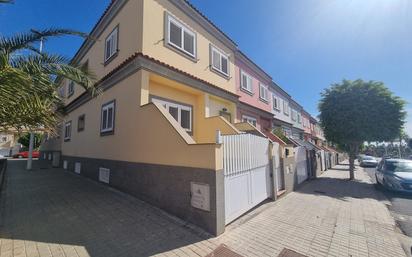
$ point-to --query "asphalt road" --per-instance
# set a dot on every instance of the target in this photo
(401, 207)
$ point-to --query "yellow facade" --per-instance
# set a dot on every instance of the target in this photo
(140, 130)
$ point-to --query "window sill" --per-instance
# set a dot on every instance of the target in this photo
(263, 100)
(276, 109)
(67, 140)
(106, 133)
(181, 52)
(220, 73)
(246, 91)
(106, 62)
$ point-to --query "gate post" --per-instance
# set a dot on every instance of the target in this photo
(273, 174)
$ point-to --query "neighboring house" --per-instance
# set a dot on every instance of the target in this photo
(281, 109)
(296, 118)
(252, 85)
(307, 132)
(8, 143)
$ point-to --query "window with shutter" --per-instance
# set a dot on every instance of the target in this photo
(246, 82)
(107, 119)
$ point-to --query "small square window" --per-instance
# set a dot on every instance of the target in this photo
(81, 122)
(107, 118)
(249, 119)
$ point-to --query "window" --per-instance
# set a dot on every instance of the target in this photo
(111, 42)
(276, 103)
(107, 119)
(294, 114)
(81, 123)
(67, 130)
(299, 118)
(4, 139)
(249, 119)
(220, 61)
(70, 89)
(181, 37)
(246, 81)
(263, 92)
(286, 108)
(181, 113)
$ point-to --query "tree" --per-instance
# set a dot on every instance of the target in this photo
(25, 140)
(29, 79)
(354, 112)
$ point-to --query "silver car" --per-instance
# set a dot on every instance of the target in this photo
(368, 161)
(395, 174)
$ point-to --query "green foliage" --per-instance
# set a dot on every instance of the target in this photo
(279, 133)
(28, 81)
(354, 112)
(25, 140)
(359, 111)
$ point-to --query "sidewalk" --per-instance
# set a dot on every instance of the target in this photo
(53, 213)
(329, 216)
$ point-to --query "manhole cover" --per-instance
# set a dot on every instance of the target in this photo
(223, 251)
(290, 253)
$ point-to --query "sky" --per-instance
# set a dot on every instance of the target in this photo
(305, 45)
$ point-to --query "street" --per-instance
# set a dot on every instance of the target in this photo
(401, 207)
(51, 212)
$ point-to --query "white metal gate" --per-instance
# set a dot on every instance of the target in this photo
(301, 164)
(247, 173)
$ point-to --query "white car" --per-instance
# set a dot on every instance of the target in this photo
(368, 161)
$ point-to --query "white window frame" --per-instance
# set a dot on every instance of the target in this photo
(184, 29)
(180, 107)
(276, 100)
(70, 88)
(106, 107)
(114, 36)
(249, 119)
(265, 95)
(286, 108)
(221, 55)
(67, 130)
(299, 117)
(249, 86)
(294, 115)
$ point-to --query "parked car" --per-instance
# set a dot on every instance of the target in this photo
(360, 157)
(368, 161)
(25, 154)
(395, 174)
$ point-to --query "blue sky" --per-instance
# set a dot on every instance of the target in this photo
(305, 45)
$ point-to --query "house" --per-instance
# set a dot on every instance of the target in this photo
(8, 143)
(281, 109)
(165, 127)
(296, 118)
(183, 120)
(252, 85)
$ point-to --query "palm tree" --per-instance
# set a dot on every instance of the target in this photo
(29, 80)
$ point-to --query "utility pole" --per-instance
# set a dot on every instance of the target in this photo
(31, 142)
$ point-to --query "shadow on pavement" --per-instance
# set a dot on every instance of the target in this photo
(55, 207)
